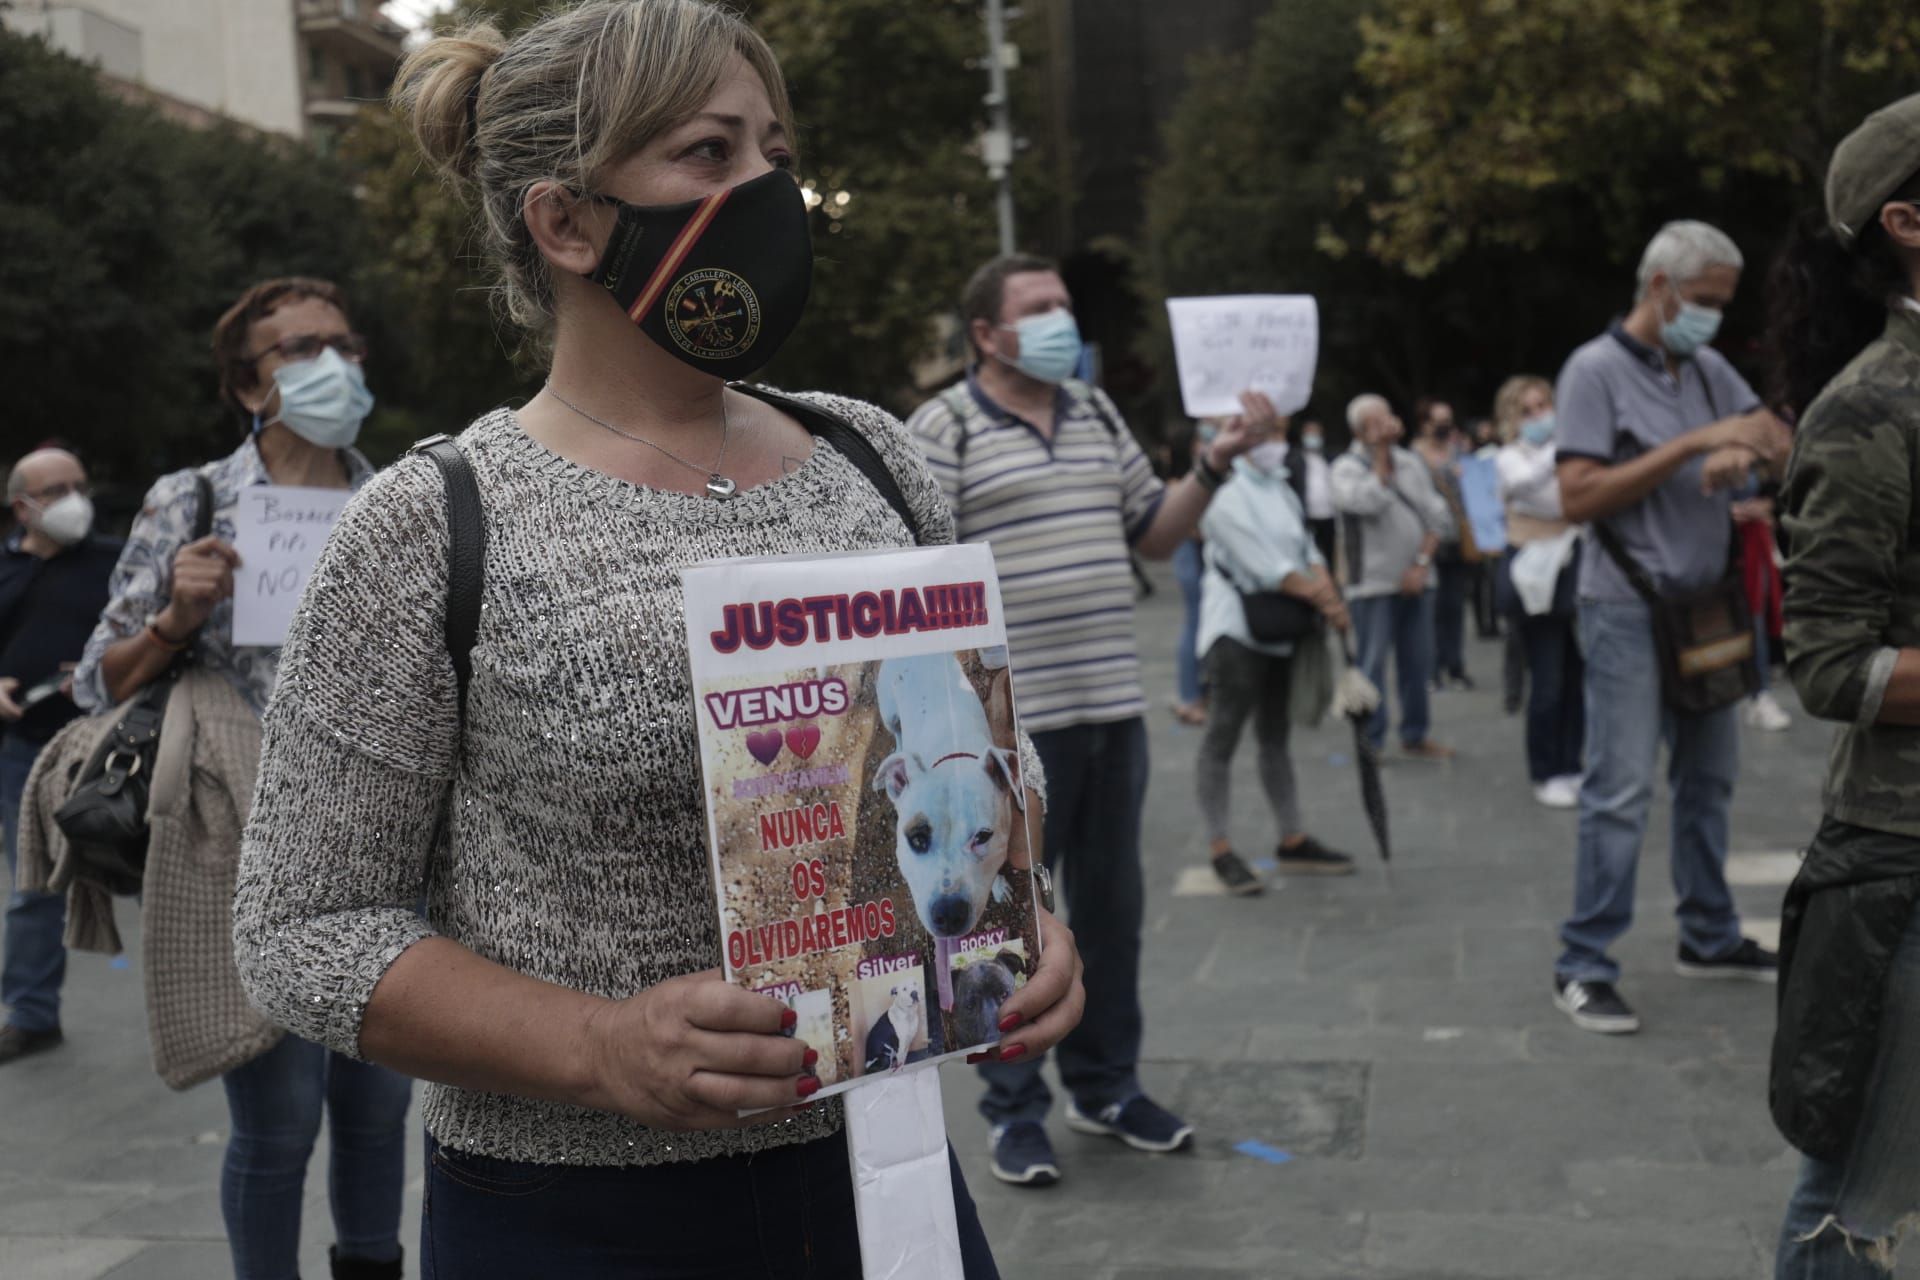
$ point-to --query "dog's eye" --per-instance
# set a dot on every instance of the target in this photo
(983, 836)
(920, 838)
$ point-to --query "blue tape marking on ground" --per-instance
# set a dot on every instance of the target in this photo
(1338, 760)
(1266, 864)
(119, 962)
(1261, 1151)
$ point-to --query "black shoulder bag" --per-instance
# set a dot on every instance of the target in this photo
(1704, 639)
(105, 815)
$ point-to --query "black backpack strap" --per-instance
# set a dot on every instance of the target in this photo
(852, 444)
(203, 513)
(466, 554)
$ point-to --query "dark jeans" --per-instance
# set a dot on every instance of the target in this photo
(35, 960)
(1096, 784)
(275, 1104)
(782, 1214)
(1450, 619)
(1556, 702)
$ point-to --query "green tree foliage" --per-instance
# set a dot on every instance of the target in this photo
(1499, 115)
(126, 236)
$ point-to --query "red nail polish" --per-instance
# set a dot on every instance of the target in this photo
(1009, 1022)
(808, 1086)
(1009, 1052)
(813, 1056)
(789, 1019)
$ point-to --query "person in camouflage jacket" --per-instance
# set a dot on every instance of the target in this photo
(1844, 1085)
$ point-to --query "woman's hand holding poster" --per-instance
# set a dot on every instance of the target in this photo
(868, 818)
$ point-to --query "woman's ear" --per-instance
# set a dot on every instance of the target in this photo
(570, 231)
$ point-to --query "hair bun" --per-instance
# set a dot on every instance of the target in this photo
(438, 88)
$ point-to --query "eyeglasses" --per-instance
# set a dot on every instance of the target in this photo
(308, 346)
(54, 492)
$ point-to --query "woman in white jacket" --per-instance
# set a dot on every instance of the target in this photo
(1257, 540)
(1537, 581)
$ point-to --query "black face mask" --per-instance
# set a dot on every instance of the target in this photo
(718, 282)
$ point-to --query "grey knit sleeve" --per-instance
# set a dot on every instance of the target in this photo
(359, 742)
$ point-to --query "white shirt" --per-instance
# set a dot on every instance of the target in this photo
(1319, 484)
(1529, 485)
(1254, 532)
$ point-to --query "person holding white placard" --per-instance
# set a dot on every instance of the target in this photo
(290, 366)
(631, 162)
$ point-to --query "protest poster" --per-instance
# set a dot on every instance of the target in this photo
(865, 807)
(1480, 496)
(278, 531)
(1244, 342)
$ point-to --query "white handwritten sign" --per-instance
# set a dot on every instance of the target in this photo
(1246, 342)
(278, 531)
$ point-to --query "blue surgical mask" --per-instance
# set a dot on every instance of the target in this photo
(1692, 329)
(323, 400)
(1049, 345)
(1313, 443)
(1537, 431)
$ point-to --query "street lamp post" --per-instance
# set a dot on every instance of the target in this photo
(996, 144)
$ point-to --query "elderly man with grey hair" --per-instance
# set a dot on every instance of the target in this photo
(1391, 521)
(1657, 436)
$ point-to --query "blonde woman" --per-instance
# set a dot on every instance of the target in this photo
(1530, 491)
(588, 1064)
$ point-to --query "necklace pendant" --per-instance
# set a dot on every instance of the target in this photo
(720, 487)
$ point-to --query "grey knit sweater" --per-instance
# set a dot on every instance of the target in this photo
(577, 846)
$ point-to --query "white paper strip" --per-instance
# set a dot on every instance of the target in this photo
(902, 1183)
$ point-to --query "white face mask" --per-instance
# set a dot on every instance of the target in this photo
(323, 400)
(68, 519)
(1268, 457)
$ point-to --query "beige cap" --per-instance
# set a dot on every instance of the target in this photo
(1870, 164)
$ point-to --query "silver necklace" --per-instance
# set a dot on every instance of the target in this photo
(719, 487)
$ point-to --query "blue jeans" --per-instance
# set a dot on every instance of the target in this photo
(1188, 568)
(1401, 626)
(783, 1214)
(35, 960)
(274, 1103)
(1878, 1186)
(1626, 723)
(1556, 701)
(1096, 785)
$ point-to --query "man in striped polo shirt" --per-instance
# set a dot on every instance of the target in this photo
(1039, 464)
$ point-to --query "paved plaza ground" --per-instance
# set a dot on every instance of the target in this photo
(1421, 1109)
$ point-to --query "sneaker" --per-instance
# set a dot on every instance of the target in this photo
(1558, 793)
(1023, 1156)
(1311, 858)
(18, 1042)
(1140, 1122)
(1748, 962)
(1428, 749)
(1464, 683)
(1765, 713)
(1236, 875)
(1594, 1006)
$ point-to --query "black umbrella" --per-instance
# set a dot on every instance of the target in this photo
(1373, 797)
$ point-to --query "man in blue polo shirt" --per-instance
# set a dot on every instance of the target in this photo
(1039, 464)
(53, 584)
(1657, 433)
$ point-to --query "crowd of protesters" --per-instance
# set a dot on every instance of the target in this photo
(365, 866)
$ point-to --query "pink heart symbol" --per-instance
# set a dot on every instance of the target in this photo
(764, 746)
(804, 740)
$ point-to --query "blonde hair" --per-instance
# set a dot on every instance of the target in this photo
(564, 101)
(1506, 403)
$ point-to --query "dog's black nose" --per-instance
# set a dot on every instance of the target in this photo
(949, 915)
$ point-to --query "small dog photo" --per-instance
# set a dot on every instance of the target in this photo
(984, 979)
(890, 1020)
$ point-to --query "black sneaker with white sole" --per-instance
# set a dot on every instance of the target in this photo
(1311, 858)
(1748, 962)
(1594, 1006)
(1236, 875)
(1140, 1122)
(1023, 1156)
